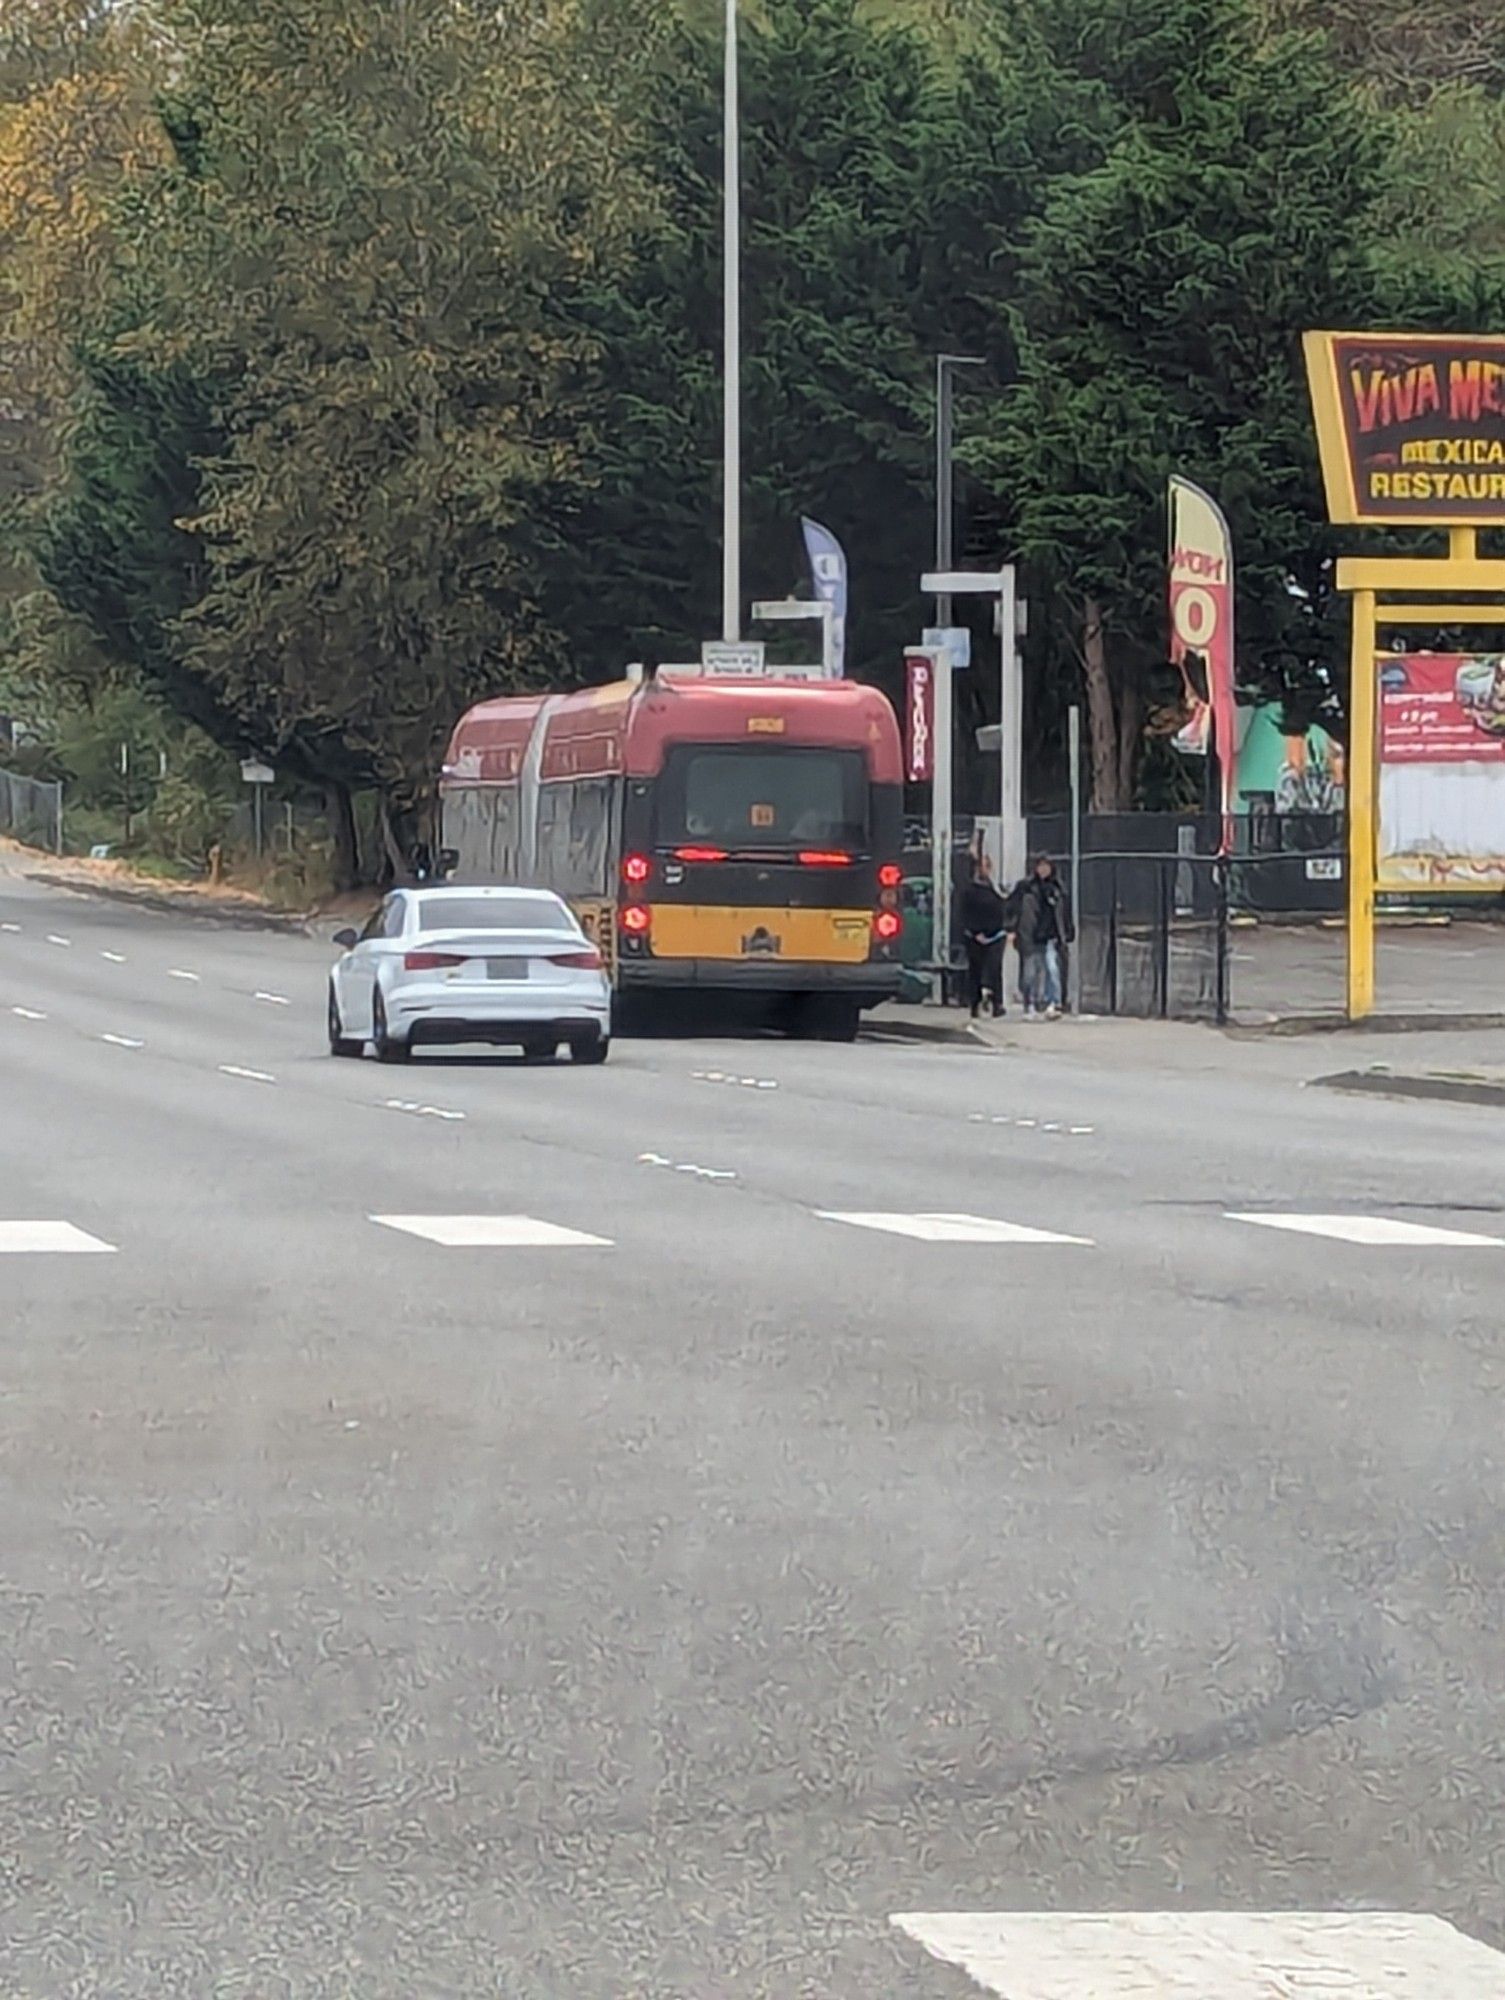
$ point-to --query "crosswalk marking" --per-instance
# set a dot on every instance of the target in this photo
(492, 1232)
(1220, 1955)
(1373, 1231)
(945, 1228)
(50, 1239)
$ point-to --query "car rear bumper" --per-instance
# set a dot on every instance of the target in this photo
(867, 984)
(441, 1030)
(481, 1012)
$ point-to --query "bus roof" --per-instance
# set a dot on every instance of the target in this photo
(625, 729)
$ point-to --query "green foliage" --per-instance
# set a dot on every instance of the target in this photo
(368, 357)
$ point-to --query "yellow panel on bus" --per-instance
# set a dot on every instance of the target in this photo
(774, 936)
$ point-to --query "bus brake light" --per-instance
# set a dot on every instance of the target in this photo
(637, 919)
(700, 854)
(887, 925)
(890, 875)
(636, 868)
(819, 857)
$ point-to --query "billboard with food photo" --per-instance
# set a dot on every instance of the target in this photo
(1442, 771)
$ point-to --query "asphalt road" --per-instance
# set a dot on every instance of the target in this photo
(660, 1615)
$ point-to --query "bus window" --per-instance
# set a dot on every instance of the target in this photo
(731, 796)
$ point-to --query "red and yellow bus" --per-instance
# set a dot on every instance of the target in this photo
(716, 837)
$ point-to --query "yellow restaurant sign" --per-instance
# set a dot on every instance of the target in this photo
(1411, 427)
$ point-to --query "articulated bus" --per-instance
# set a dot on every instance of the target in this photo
(716, 837)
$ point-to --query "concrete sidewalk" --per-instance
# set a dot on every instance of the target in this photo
(1281, 972)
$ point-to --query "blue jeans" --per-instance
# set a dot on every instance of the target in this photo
(1042, 976)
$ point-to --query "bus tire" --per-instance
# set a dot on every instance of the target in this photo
(827, 1018)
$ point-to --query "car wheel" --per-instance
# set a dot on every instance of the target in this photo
(387, 1050)
(340, 1043)
(594, 1051)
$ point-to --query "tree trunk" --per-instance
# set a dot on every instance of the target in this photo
(397, 869)
(1130, 724)
(1102, 725)
(339, 811)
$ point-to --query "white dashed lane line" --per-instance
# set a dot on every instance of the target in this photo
(114, 957)
(272, 999)
(53, 939)
(13, 928)
(122, 1042)
(1031, 1125)
(687, 1167)
(246, 1075)
(28, 1014)
(419, 1110)
(737, 1082)
(177, 972)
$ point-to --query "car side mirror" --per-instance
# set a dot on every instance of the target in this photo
(347, 939)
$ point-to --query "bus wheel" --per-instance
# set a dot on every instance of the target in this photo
(827, 1019)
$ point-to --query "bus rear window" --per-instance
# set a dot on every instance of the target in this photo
(734, 797)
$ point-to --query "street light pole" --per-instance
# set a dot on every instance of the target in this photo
(731, 455)
(945, 474)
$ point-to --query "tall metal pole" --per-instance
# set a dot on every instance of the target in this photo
(731, 456)
(1074, 751)
(945, 511)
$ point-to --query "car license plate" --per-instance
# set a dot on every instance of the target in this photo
(506, 968)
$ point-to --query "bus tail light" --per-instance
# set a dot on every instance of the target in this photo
(431, 961)
(636, 868)
(700, 854)
(637, 920)
(820, 857)
(890, 875)
(887, 925)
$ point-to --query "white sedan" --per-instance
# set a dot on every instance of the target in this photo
(506, 966)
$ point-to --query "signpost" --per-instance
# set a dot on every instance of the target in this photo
(742, 659)
(258, 776)
(1411, 431)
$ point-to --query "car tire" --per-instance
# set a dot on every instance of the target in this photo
(596, 1050)
(387, 1050)
(340, 1043)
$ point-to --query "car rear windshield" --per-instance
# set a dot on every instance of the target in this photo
(492, 913)
(732, 797)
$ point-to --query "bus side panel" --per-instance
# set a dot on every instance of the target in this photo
(578, 847)
(480, 823)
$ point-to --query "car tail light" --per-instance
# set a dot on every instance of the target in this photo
(431, 961)
(579, 961)
(820, 857)
(636, 868)
(887, 926)
(890, 875)
(700, 854)
(638, 919)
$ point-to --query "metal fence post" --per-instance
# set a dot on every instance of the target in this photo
(1113, 936)
(58, 843)
(1220, 891)
(1163, 936)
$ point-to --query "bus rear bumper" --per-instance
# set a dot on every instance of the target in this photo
(869, 985)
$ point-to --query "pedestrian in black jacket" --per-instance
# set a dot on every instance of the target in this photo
(1040, 910)
(985, 931)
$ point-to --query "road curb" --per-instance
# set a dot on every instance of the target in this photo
(1376, 1024)
(959, 1037)
(1432, 1089)
(163, 903)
